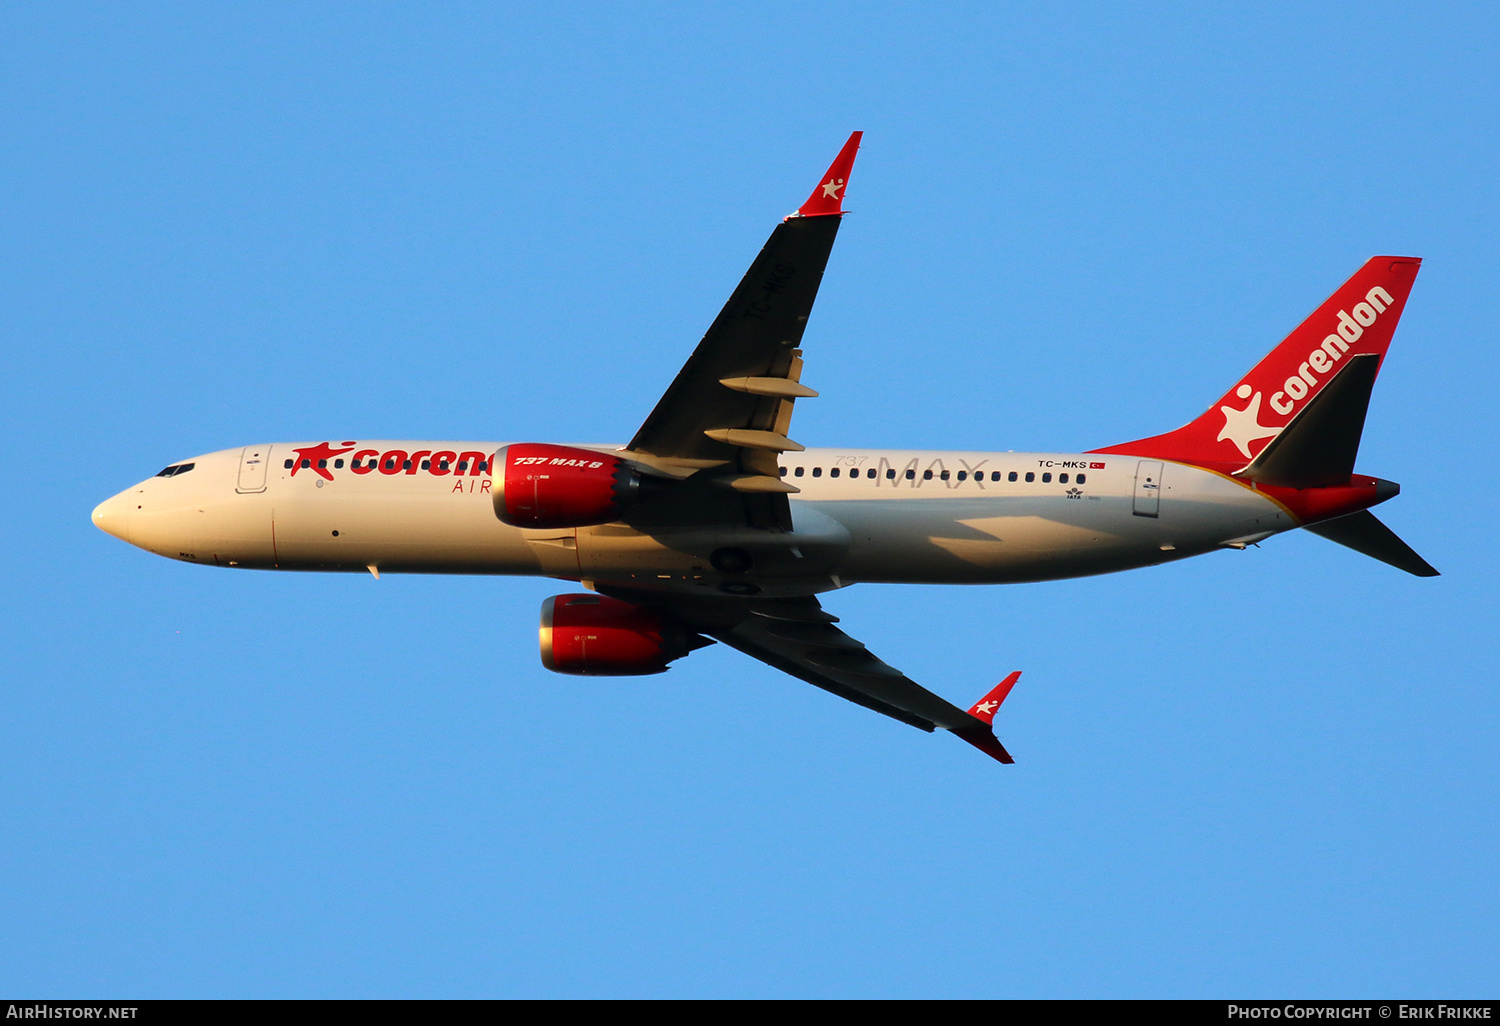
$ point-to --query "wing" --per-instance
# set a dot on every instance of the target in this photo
(727, 413)
(797, 636)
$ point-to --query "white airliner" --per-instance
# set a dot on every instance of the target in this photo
(713, 524)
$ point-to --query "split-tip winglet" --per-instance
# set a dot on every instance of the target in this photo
(828, 197)
(986, 707)
(982, 734)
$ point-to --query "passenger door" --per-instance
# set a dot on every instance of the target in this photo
(254, 460)
(1147, 488)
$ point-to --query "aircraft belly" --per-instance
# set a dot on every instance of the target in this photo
(980, 540)
(801, 561)
(240, 532)
(396, 525)
(1009, 538)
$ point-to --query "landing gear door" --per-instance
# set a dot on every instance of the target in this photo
(253, 463)
(1147, 488)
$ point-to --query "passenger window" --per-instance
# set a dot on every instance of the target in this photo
(306, 464)
(798, 472)
(406, 464)
(783, 472)
(442, 464)
(482, 466)
(890, 473)
(1046, 479)
(390, 464)
(943, 476)
(1012, 475)
(1081, 479)
(833, 472)
(964, 476)
(289, 464)
(1062, 478)
(338, 464)
(995, 476)
(1030, 476)
(911, 475)
(817, 471)
(426, 464)
(322, 464)
(463, 465)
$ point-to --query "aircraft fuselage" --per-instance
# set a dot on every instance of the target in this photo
(862, 515)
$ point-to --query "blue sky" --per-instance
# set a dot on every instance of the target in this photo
(1261, 773)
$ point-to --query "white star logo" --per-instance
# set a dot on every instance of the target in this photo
(987, 707)
(831, 188)
(1243, 426)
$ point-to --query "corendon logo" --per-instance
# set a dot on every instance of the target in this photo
(439, 464)
(1321, 360)
(442, 463)
(1243, 426)
(316, 459)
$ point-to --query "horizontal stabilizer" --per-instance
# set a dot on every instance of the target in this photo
(1318, 448)
(1362, 532)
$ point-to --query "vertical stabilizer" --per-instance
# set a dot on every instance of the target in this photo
(1357, 320)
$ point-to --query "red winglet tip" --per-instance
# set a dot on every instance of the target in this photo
(987, 743)
(828, 197)
(984, 710)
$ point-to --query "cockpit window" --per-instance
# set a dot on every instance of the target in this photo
(175, 469)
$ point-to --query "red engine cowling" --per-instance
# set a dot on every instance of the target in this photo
(598, 636)
(538, 485)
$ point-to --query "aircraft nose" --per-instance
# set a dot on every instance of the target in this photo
(111, 516)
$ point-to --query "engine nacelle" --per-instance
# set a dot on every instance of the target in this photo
(538, 485)
(598, 636)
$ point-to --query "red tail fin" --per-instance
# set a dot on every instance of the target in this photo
(1359, 318)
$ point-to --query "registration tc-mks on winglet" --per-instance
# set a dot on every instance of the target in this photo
(713, 524)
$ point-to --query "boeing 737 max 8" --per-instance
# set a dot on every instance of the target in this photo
(713, 524)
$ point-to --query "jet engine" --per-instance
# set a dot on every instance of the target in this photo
(538, 485)
(598, 636)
